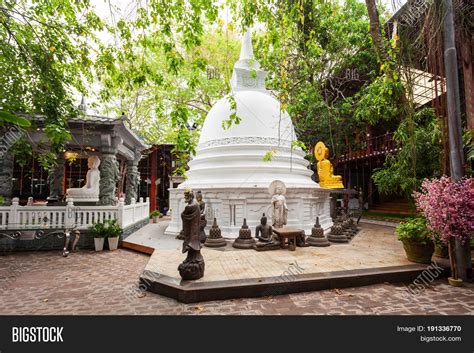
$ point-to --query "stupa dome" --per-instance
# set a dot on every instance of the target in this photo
(258, 149)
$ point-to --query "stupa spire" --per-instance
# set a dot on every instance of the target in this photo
(246, 52)
(247, 73)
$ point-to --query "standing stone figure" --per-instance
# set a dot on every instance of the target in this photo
(192, 267)
(280, 210)
(202, 207)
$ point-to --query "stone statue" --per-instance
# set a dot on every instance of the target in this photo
(90, 191)
(202, 207)
(325, 169)
(263, 232)
(280, 210)
(192, 267)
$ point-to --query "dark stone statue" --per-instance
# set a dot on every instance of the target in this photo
(266, 239)
(202, 208)
(263, 232)
(192, 267)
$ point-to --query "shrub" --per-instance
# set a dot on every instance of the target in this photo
(448, 207)
(414, 229)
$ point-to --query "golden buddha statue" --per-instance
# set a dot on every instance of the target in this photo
(325, 169)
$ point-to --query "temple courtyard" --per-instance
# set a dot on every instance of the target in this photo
(86, 282)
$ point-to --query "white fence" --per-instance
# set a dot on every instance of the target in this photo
(71, 216)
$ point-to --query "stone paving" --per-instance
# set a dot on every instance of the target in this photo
(102, 283)
(375, 246)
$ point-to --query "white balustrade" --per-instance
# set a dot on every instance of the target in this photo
(81, 217)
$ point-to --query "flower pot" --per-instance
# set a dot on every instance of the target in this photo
(456, 282)
(441, 251)
(99, 244)
(419, 253)
(113, 242)
(155, 219)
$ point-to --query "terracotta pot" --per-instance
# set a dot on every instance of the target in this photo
(419, 253)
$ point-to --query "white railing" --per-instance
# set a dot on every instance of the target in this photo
(71, 216)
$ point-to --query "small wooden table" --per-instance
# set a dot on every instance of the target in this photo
(290, 234)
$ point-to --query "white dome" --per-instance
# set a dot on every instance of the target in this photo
(235, 157)
(259, 113)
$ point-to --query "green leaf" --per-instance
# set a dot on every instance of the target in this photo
(14, 119)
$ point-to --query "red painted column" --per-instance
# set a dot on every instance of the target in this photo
(153, 157)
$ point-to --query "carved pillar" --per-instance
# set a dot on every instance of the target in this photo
(56, 180)
(133, 178)
(109, 169)
(6, 175)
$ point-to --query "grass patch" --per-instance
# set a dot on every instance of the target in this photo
(385, 215)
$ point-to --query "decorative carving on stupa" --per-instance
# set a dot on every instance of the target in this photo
(325, 169)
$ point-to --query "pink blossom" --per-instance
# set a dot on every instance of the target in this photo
(448, 207)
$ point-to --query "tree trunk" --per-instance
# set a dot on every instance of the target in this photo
(375, 31)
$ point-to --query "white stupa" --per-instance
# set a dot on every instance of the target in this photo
(229, 166)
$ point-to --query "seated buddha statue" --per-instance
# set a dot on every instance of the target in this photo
(90, 191)
(325, 169)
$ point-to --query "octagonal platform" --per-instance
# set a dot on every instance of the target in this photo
(373, 256)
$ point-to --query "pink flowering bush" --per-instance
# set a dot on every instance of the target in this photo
(448, 207)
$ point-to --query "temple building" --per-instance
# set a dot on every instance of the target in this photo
(234, 166)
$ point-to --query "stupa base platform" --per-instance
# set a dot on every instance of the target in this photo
(374, 256)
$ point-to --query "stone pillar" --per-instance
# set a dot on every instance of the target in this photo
(56, 180)
(109, 169)
(133, 179)
(6, 175)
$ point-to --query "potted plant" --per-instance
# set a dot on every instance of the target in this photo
(155, 215)
(113, 231)
(416, 239)
(98, 230)
(448, 207)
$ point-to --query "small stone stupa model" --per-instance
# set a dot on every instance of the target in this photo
(325, 169)
(244, 240)
(337, 232)
(317, 237)
(215, 239)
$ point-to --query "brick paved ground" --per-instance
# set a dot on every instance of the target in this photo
(106, 283)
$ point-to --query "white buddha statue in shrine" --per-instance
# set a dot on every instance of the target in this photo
(90, 191)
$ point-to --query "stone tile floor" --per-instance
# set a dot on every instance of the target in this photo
(86, 282)
(375, 246)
